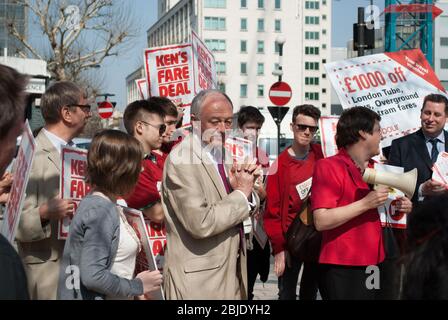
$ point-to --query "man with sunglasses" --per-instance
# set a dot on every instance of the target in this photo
(65, 111)
(144, 120)
(287, 189)
(171, 114)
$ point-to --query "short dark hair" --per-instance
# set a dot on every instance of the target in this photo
(249, 114)
(59, 94)
(114, 162)
(437, 98)
(166, 104)
(135, 111)
(12, 98)
(307, 110)
(351, 122)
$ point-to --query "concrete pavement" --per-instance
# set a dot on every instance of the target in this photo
(269, 289)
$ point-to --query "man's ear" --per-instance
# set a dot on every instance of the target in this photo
(138, 129)
(362, 134)
(66, 114)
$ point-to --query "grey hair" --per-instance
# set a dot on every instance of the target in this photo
(197, 104)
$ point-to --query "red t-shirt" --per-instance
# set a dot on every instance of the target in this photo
(283, 201)
(337, 182)
(148, 185)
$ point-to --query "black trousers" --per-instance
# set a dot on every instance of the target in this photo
(346, 283)
(258, 263)
(287, 283)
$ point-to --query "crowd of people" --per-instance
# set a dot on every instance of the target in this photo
(205, 198)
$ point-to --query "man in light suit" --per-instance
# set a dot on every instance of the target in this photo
(420, 149)
(65, 112)
(205, 199)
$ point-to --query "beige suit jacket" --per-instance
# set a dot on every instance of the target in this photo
(37, 243)
(203, 258)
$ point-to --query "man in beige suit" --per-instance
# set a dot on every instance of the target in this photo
(205, 200)
(65, 112)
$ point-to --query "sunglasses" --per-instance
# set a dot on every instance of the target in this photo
(303, 127)
(84, 107)
(161, 127)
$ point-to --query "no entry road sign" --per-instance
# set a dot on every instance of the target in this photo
(105, 109)
(280, 93)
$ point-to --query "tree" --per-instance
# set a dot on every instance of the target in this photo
(77, 35)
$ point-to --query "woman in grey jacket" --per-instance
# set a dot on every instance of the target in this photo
(99, 254)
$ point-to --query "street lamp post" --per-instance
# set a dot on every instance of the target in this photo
(280, 40)
(279, 112)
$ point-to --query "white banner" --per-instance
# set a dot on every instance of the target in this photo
(204, 65)
(170, 73)
(393, 84)
(142, 87)
(440, 169)
(72, 184)
(21, 174)
(327, 127)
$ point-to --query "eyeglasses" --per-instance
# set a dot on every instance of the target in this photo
(161, 127)
(171, 123)
(84, 107)
(303, 127)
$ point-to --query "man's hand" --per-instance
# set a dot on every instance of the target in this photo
(56, 209)
(4, 197)
(376, 198)
(403, 204)
(242, 176)
(259, 188)
(433, 188)
(279, 263)
(6, 182)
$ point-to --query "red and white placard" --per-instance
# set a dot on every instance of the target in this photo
(393, 84)
(73, 184)
(21, 173)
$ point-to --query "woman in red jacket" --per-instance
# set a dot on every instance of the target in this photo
(287, 187)
(345, 209)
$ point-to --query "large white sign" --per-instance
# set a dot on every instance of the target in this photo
(393, 84)
(327, 127)
(21, 174)
(440, 169)
(179, 72)
(73, 182)
(204, 65)
(169, 72)
(142, 87)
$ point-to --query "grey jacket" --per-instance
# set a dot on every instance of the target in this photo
(89, 253)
